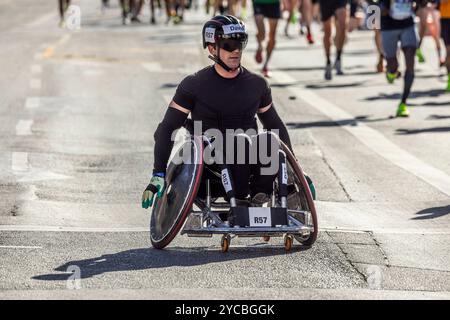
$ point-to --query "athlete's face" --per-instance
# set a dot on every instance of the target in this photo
(231, 58)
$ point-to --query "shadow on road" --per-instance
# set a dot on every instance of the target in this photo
(437, 117)
(149, 258)
(425, 130)
(334, 86)
(366, 52)
(361, 73)
(326, 124)
(432, 213)
(414, 94)
(168, 85)
(312, 68)
(430, 104)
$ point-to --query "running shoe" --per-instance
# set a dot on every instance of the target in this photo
(328, 72)
(244, 14)
(286, 30)
(392, 76)
(402, 110)
(338, 67)
(420, 56)
(258, 56)
(135, 20)
(176, 19)
(310, 38)
(294, 18)
(266, 73)
(302, 32)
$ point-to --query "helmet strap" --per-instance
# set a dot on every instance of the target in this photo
(217, 60)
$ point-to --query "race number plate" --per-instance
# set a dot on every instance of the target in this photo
(260, 217)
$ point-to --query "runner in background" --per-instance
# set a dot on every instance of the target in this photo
(397, 27)
(428, 12)
(269, 9)
(336, 9)
(291, 7)
(306, 9)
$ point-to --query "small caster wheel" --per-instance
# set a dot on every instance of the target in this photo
(266, 238)
(225, 243)
(288, 240)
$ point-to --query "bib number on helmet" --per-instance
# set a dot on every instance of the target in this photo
(210, 35)
(260, 217)
(233, 28)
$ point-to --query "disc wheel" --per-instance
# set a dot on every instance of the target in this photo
(183, 180)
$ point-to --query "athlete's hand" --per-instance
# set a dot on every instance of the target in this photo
(156, 186)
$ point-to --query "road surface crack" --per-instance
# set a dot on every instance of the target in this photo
(349, 261)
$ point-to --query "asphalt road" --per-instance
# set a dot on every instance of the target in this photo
(78, 110)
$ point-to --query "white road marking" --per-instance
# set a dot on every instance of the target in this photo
(152, 66)
(35, 84)
(387, 230)
(42, 176)
(64, 39)
(19, 161)
(372, 138)
(20, 247)
(36, 69)
(92, 72)
(23, 127)
(69, 229)
(32, 103)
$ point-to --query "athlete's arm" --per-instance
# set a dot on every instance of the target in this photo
(173, 119)
(272, 121)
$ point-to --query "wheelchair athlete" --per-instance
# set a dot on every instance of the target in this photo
(222, 96)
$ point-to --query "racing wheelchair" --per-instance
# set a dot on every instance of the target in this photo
(200, 201)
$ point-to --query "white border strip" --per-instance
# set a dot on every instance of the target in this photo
(69, 229)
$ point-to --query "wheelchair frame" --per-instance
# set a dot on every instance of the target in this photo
(205, 221)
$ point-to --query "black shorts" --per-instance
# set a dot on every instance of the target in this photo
(328, 7)
(353, 8)
(268, 10)
(445, 31)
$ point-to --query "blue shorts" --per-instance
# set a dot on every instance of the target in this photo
(407, 37)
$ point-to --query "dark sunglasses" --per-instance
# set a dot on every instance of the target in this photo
(231, 45)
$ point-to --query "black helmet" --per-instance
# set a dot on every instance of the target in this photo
(223, 27)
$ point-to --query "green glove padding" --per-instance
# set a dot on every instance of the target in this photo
(311, 187)
(157, 185)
